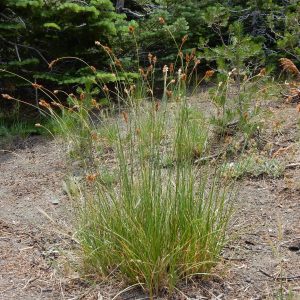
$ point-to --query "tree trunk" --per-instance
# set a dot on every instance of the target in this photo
(119, 5)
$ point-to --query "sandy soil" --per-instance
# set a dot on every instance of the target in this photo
(262, 262)
(31, 198)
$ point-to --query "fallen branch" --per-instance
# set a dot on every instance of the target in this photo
(208, 158)
(282, 150)
(288, 278)
(292, 166)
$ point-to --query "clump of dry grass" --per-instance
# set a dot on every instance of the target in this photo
(289, 66)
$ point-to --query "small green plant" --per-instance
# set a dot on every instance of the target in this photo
(18, 128)
(253, 166)
(192, 141)
(285, 294)
(235, 94)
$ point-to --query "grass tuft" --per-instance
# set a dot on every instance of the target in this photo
(156, 226)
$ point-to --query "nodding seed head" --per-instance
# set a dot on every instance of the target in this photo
(161, 20)
(125, 116)
(169, 93)
(183, 77)
(105, 89)
(131, 29)
(150, 56)
(171, 68)
(209, 73)
(6, 96)
(36, 86)
(185, 38)
(157, 106)
(91, 177)
(165, 69)
(262, 72)
(43, 103)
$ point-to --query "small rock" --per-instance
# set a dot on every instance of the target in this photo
(295, 247)
(55, 201)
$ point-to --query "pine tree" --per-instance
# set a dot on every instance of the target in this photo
(35, 32)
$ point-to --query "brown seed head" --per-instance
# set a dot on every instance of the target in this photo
(94, 136)
(179, 72)
(125, 116)
(262, 72)
(93, 69)
(165, 69)
(183, 77)
(43, 103)
(197, 62)
(187, 58)
(184, 39)
(95, 104)
(169, 94)
(57, 104)
(154, 60)
(52, 63)
(142, 72)
(118, 63)
(105, 89)
(171, 68)
(209, 73)
(36, 86)
(157, 105)
(289, 66)
(6, 96)
(107, 49)
(150, 57)
(131, 29)
(91, 178)
(161, 20)
(149, 70)
(82, 96)
(193, 53)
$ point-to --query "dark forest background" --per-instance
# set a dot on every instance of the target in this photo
(33, 33)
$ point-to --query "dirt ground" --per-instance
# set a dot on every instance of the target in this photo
(262, 261)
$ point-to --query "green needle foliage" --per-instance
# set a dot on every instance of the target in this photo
(34, 33)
